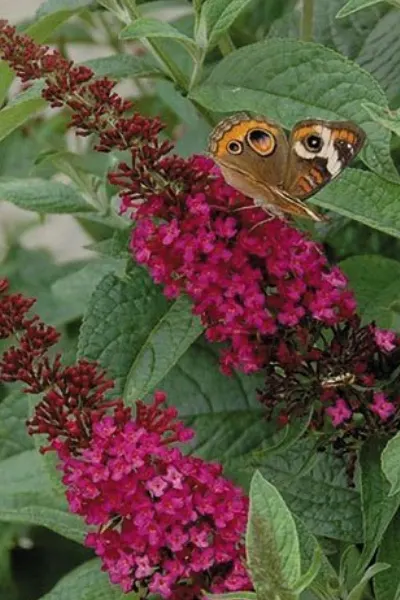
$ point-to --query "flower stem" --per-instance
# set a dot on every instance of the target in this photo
(307, 19)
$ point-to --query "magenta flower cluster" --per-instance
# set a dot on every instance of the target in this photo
(165, 522)
(251, 284)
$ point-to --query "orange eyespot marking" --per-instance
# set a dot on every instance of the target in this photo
(239, 132)
(261, 141)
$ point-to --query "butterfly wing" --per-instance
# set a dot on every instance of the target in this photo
(318, 152)
(252, 152)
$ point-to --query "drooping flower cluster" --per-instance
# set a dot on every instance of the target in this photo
(160, 521)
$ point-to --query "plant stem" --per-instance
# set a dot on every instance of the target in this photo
(307, 20)
(176, 74)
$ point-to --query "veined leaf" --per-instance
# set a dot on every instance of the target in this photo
(272, 544)
(391, 463)
(43, 196)
(216, 17)
(354, 5)
(387, 583)
(364, 197)
(385, 117)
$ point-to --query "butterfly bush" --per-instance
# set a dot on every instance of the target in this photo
(262, 288)
(159, 520)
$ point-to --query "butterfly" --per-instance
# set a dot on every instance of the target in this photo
(256, 158)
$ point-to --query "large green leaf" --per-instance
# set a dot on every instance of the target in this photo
(14, 437)
(27, 496)
(272, 544)
(87, 582)
(379, 54)
(121, 315)
(42, 196)
(378, 507)
(375, 281)
(167, 342)
(223, 411)
(387, 584)
(290, 80)
(353, 6)
(365, 197)
(321, 496)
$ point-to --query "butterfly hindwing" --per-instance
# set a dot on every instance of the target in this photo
(318, 152)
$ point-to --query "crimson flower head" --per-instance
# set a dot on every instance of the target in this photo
(252, 282)
(163, 521)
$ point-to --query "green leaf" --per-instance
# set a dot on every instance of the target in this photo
(378, 507)
(216, 17)
(152, 28)
(223, 411)
(42, 196)
(387, 584)
(120, 66)
(305, 581)
(347, 36)
(290, 80)
(27, 496)
(354, 5)
(357, 593)
(77, 287)
(365, 197)
(379, 54)
(321, 496)
(385, 117)
(391, 463)
(51, 6)
(167, 342)
(120, 316)
(87, 582)
(272, 544)
(14, 437)
(375, 282)
(16, 115)
(326, 583)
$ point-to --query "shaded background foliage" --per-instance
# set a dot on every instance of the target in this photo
(127, 324)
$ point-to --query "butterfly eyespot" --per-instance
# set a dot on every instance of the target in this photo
(313, 142)
(235, 147)
(261, 141)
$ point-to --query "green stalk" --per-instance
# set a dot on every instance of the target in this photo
(176, 74)
(307, 20)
